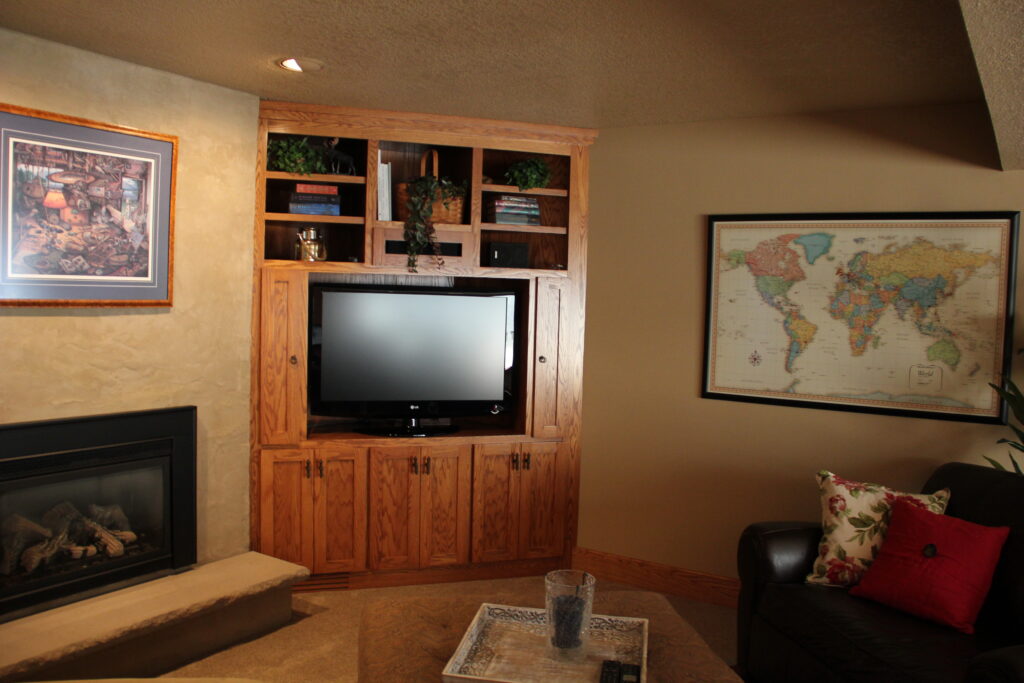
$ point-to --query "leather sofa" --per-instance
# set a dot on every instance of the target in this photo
(791, 631)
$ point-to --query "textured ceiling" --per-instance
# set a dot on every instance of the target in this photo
(593, 63)
(996, 28)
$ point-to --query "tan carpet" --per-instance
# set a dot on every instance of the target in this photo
(321, 642)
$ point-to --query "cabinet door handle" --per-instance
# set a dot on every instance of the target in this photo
(526, 461)
(309, 469)
(515, 461)
(426, 465)
(542, 359)
(415, 464)
(294, 360)
(320, 467)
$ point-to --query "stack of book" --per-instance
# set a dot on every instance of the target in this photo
(319, 200)
(513, 209)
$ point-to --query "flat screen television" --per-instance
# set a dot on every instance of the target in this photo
(393, 358)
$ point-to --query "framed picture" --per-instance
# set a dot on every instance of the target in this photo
(895, 313)
(87, 212)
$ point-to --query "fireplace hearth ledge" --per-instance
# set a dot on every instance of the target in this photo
(153, 627)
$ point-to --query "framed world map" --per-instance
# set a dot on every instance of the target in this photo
(899, 313)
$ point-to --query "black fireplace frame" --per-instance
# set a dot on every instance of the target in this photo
(27, 450)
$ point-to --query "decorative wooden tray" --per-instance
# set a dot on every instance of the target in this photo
(507, 644)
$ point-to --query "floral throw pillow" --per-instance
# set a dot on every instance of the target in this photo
(854, 519)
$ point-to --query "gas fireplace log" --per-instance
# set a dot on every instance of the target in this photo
(66, 516)
(16, 523)
(106, 540)
(43, 553)
(125, 537)
(18, 533)
(110, 516)
(77, 552)
(60, 516)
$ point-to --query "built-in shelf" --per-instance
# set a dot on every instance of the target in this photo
(537, 191)
(317, 177)
(319, 266)
(352, 489)
(535, 229)
(444, 227)
(313, 218)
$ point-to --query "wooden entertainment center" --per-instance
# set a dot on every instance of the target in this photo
(500, 496)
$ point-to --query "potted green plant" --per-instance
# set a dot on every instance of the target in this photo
(529, 173)
(1015, 400)
(423, 194)
(295, 155)
(423, 201)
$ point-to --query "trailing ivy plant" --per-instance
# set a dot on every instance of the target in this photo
(1015, 400)
(296, 155)
(419, 226)
(529, 173)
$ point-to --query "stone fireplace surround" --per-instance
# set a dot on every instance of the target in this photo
(93, 502)
(127, 615)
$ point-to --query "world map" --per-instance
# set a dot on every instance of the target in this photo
(870, 314)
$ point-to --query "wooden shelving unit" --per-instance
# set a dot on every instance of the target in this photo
(338, 501)
(536, 192)
(441, 227)
(316, 178)
(313, 218)
(537, 229)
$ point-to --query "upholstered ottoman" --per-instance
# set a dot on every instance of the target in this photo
(411, 639)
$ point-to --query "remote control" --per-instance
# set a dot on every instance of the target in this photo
(610, 671)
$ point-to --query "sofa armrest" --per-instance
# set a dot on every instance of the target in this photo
(777, 552)
(770, 552)
(1002, 665)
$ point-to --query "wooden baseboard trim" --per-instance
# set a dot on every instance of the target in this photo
(663, 578)
(409, 577)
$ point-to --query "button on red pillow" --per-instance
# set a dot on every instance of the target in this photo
(934, 566)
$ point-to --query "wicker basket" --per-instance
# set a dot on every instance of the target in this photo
(452, 213)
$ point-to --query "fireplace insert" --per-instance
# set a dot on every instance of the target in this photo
(94, 503)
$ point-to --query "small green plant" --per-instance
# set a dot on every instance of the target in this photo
(419, 226)
(529, 173)
(296, 155)
(1015, 400)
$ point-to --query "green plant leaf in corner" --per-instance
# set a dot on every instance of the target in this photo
(1014, 399)
(1019, 445)
(1016, 465)
(995, 463)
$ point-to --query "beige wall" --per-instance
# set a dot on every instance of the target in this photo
(673, 478)
(66, 362)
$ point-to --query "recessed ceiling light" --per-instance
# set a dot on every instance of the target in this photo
(301, 64)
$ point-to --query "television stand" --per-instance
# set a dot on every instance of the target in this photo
(412, 427)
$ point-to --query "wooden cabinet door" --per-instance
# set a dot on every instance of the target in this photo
(394, 507)
(340, 510)
(495, 502)
(444, 505)
(286, 505)
(542, 500)
(282, 368)
(549, 380)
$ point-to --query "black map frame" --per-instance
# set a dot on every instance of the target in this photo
(1002, 341)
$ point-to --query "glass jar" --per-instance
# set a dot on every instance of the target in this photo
(569, 596)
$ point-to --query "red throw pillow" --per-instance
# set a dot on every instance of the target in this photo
(934, 566)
